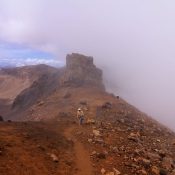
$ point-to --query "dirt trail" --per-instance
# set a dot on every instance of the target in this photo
(82, 157)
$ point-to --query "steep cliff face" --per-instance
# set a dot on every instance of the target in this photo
(81, 71)
(43, 87)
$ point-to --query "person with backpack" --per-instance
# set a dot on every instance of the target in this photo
(80, 116)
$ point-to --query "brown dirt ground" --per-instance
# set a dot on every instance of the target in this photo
(26, 148)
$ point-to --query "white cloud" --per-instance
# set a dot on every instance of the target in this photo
(133, 41)
(29, 61)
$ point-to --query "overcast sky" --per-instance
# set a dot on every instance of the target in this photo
(133, 41)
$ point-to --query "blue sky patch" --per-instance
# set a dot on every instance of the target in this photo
(12, 54)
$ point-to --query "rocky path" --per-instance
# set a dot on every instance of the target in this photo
(82, 157)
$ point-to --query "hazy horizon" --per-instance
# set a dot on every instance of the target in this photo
(132, 41)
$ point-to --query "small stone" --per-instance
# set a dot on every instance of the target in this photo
(41, 147)
(103, 171)
(162, 153)
(96, 133)
(40, 103)
(68, 162)
(153, 156)
(100, 141)
(79, 133)
(106, 152)
(167, 163)
(155, 170)
(145, 162)
(116, 172)
(90, 140)
(101, 156)
(122, 120)
(93, 153)
(135, 166)
(90, 121)
(114, 149)
(134, 137)
(54, 157)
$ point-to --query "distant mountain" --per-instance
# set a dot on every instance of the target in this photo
(14, 80)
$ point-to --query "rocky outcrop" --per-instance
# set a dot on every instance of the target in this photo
(81, 71)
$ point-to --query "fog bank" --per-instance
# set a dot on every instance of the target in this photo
(132, 41)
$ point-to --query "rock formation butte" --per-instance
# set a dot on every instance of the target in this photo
(80, 71)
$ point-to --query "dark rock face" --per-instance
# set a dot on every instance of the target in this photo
(80, 71)
(43, 87)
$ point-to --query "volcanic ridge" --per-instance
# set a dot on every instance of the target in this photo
(40, 135)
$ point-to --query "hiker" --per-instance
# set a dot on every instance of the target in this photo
(80, 116)
(1, 119)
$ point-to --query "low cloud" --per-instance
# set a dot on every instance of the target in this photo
(29, 61)
(132, 41)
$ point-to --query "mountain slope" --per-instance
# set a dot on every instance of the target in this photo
(116, 138)
(13, 81)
